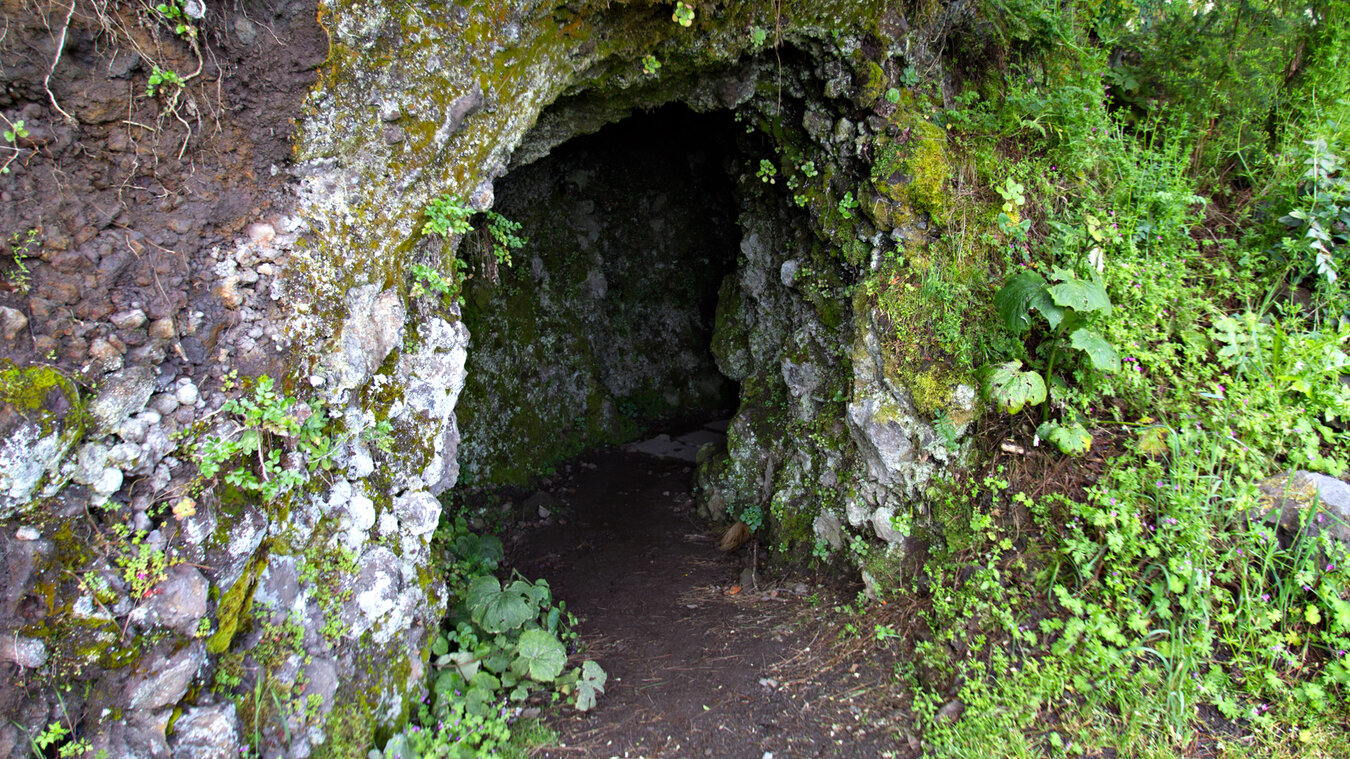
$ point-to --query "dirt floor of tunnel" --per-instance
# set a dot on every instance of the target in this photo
(698, 665)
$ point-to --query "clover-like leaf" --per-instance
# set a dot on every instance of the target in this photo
(1071, 439)
(542, 656)
(1082, 295)
(1011, 389)
(1103, 356)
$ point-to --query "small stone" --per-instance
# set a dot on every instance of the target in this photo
(186, 394)
(162, 329)
(12, 321)
(881, 522)
(362, 511)
(164, 403)
(418, 512)
(27, 533)
(105, 356)
(90, 462)
(390, 112)
(261, 232)
(228, 292)
(181, 600)
(393, 135)
(28, 653)
(951, 712)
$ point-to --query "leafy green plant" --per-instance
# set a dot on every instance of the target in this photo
(752, 515)
(847, 205)
(268, 423)
(683, 15)
(1067, 308)
(650, 65)
(21, 246)
(445, 216)
(758, 35)
(1321, 221)
(767, 171)
(144, 567)
(428, 280)
(173, 15)
(12, 135)
(59, 738)
(159, 79)
(505, 237)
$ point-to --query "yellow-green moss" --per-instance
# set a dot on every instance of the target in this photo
(931, 390)
(872, 84)
(913, 167)
(236, 605)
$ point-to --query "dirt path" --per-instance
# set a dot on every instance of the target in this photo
(694, 670)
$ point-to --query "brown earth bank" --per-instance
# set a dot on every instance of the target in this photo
(124, 195)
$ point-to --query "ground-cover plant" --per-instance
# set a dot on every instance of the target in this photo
(502, 644)
(1163, 591)
(1144, 605)
(267, 424)
(1067, 307)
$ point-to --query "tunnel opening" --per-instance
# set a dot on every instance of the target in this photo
(598, 331)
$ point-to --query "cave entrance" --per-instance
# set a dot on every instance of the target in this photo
(599, 329)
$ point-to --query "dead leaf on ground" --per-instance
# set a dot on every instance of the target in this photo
(736, 536)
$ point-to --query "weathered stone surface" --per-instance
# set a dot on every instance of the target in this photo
(373, 327)
(880, 429)
(122, 394)
(28, 653)
(828, 528)
(882, 522)
(1292, 500)
(206, 732)
(12, 322)
(418, 513)
(181, 601)
(157, 683)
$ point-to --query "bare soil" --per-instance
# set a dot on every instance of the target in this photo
(699, 664)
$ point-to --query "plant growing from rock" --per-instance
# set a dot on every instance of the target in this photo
(505, 236)
(683, 15)
(268, 424)
(1068, 306)
(445, 216)
(12, 136)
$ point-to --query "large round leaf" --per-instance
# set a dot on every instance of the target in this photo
(542, 656)
(1100, 352)
(497, 610)
(1022, 293)
(1081, 295)
(1072, 439)
(1010, 388)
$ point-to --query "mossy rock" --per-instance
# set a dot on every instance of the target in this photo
(41, 418)
(912, 166)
